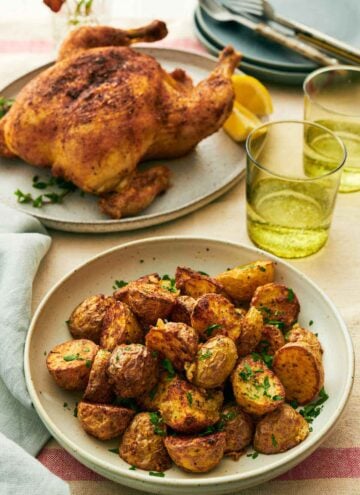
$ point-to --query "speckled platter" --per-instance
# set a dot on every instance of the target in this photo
(162, 255)
(203, 175)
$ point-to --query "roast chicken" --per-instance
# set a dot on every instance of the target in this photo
(103, 107)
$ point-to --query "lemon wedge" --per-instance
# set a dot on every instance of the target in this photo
(252, 94)
(241, 122)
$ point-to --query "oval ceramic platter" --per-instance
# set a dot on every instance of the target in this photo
(216, 165)
(163, 255)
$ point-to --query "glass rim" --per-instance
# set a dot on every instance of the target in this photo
(322, 70)
(285, 177)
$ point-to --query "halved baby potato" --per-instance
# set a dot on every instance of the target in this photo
(189, 409)
(195, 284)
(70, 363)
(86, 319)
(214, 362)
(240, 282)
(213, 314)
(142, 444)
(256, 388)
(182, 309)
(120, 326)
(98, 387)
(176, 341)
(103, 421)
(121, 294)
(196, 454)
(239, 429)
(280, 430)
(251, 331)
(278, 304)
(300, 370)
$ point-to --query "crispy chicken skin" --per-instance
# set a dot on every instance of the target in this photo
(103, 108)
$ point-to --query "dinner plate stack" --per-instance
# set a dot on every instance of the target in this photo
(270, 61)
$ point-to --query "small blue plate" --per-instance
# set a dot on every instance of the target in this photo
(338, 18)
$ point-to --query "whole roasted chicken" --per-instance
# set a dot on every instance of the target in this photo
(103, 108)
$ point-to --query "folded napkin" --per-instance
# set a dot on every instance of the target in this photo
(23, 243)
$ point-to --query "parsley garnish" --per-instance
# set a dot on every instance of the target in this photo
(157, 421)
(65, 404)
(88, 363)
(210, 329)
(203, 273)
(73, 357)
(5, 105)
(267, 358)
(168, 366)
(208, 431)
(253, 455)
(115, 450)
(157, 473)
(266, 385)
(206, 355)
(225, 417)
(276, 323)
(312, 411)
(273, 440)
(75, 412)
(52, 197)
(132, 468)
(189, 398)
(152, 392)
(294, 404)
(261, 268)
(119, 284)
(311, 323)
(291, 295)
(246, 373)
(170, 284)
(129, 403)
(277, 397)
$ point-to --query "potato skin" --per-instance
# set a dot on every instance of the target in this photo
(152, 400)
(214, 309)
(299, 334)
(239, 430)
(215, 361)
(175, 341)
(133, 370)
(86, 319)
(196, 454)
(122, 293)
(240, 282)
(194, 284)
(188, 409)
(150, 302)
(142, 447)
(251, 331)
(271, 340)
(70, 363)
(120, 326)
(182, 309)
(256, 388)
(300, 370)
(103, 421)
(280, 430)
(277, 303)
(98, 388)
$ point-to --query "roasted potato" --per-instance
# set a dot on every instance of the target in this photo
(86, 319)
(188, 409)
(300, 370)
(175, 341)
(70, 363)
(256, 388)
(299, 334)
(103, 421)
(120, 326)
(195, 284)
(251, 329)
(278, 304)
(142, 444)
(133, 370)
(214, 362)
(182, 309)
(196, 454)
(280, 431)
(150, 302)
(240, 282)
(213, 314)
(152, 400)
(239, 429)
(271, 340)
(122, 293)
(98, 388)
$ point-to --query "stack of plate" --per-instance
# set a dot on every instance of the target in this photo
(272, 62)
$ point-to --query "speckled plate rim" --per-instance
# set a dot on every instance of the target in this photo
(141, 221)
(132, 477)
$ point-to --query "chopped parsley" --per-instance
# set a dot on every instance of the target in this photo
(157, 421)
(246, 373)
(291, 295)
(266, 386)
(52, 197)
(65, 404)
(168, 366)
(129, 403)
(311, 323)
(312, 411)
(153, 391)
(208, 431)
(170, 283)
(115, 450)
(88, 363)
(273, 440)
(206, 355)
(73, 357)
(203, 273)
(75, 412)
(211, 328)
(276, 323)
(261, 268)
(189, 398)
(253, 455)
(225, 417)
(294, 404)
(159, 474)
(5, 105)
(132, 468)
(277, 397)
(119, 284)
(263, 355)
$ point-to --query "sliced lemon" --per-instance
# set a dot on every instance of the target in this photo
(241, 122)
(252, 94)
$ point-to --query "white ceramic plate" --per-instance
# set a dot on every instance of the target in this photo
(162, 255)
(203, 175)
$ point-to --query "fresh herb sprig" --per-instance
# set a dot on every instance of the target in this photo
(5, 105)
(51, 197)
(312, 411)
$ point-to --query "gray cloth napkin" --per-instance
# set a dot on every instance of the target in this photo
(23, 243)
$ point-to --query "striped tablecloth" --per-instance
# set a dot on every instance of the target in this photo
(335, 466)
